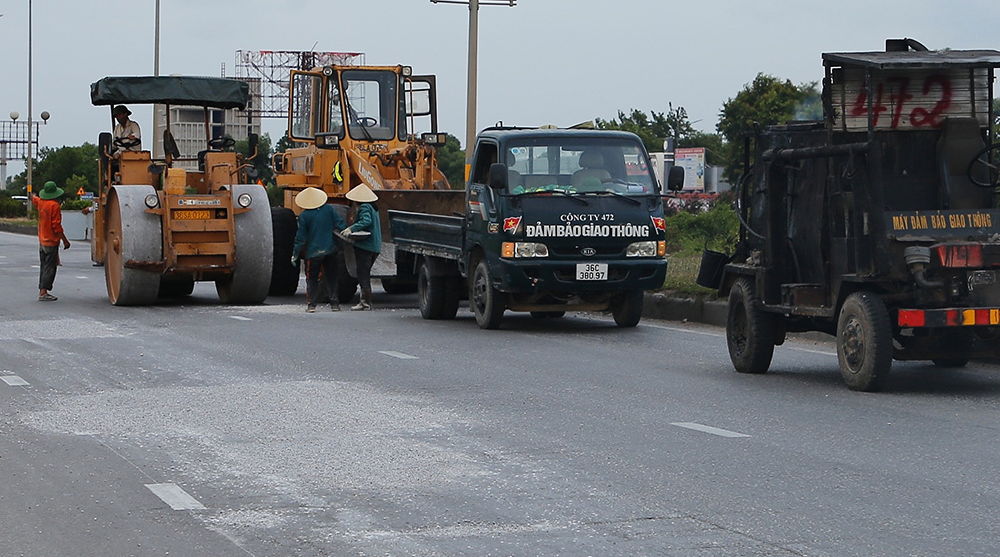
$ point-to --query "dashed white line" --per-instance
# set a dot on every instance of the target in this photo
(240, 318)
(399, 355)
(177, 498)
(14, 381)
(709, 429)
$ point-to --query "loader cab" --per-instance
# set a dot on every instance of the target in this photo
(374, 105)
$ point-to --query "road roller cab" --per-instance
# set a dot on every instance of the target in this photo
(163, 223)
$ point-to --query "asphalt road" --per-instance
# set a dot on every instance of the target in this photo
(192, 428)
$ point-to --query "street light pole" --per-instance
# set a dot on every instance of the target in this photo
(470, 105)
(28, 169)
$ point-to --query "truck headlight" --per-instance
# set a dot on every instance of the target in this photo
(641, 249)
(524, 249)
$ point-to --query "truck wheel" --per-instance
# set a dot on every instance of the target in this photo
(399, 286)
(284, 275)
(750, 332)
(627, 309)
(431, 292)
(452, 296)
(254, 253)
(132, 235)
(487, 302)
(864, 342)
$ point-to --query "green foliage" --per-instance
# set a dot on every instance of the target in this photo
(694, 229)
(451, 161)
(766, 101)
(275, 195)
(652, 129)
(69, 167)
(11, 208)
(75, 204)
(262, 162)
(996, 119)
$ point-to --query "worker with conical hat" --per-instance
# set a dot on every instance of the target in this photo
(367, 229)
(317, 224)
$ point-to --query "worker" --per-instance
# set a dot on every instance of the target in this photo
(126, 134)
(367, 235)
(317, 223)
(50, 233)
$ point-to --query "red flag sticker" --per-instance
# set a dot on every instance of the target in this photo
(510, 224)
(659, 223)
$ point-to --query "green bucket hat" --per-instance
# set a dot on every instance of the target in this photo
(50, 191)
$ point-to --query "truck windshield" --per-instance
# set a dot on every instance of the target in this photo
(579, 166)
(372, 103)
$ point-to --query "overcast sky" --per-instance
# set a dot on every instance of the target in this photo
(542, 62)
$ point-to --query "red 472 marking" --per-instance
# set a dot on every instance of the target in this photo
(899, 96)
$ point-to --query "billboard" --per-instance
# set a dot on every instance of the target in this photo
(692, 160)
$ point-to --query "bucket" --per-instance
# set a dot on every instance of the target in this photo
(710, 273)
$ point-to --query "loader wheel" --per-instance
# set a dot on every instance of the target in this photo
(487, 302)
(284, 275)
(254, 253)
(984, 168)
(627, 309)
(750, 331)
(864, 342)
(132, 235)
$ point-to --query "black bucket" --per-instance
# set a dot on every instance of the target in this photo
(710, 273)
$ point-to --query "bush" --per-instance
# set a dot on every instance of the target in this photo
(716, 229)
(11, 208)
(75, 204)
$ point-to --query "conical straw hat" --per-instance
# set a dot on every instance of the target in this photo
(310, 198)
(362, 194)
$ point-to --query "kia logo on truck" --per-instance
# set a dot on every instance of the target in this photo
(588, 251)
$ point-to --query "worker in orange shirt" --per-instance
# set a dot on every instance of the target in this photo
(50, 233)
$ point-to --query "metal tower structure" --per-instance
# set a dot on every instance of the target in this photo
(272, 69)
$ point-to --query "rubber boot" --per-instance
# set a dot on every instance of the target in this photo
(365, 303)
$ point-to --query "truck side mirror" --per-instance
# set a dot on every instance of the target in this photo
(675, 179)
(498, 176)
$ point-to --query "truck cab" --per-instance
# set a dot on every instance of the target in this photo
(554, 220)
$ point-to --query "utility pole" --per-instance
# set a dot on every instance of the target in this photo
(470, 105)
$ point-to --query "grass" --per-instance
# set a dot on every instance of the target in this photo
(682, 270)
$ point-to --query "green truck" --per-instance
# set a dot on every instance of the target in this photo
(555, 220)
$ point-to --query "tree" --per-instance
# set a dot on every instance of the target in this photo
(451, 161)
(766, 101)
(262, 162)
(68, 167)
(653, 130)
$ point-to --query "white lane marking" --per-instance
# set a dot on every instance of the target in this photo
(177, 498)
(399, 355)
(81, 277)
(14, 381)
(709, 429)
(681, 330)
(240, 318)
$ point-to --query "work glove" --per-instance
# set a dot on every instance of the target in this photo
(346, 232)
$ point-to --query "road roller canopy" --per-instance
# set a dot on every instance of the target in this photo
(214, 92)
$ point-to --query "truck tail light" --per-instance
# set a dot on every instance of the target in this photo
(948, 317)
(965, 255)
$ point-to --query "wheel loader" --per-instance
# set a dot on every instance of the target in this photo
(879, 224)
(361, 124)
(159, 227)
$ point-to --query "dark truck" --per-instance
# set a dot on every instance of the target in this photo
(555, 220)
(878, 224)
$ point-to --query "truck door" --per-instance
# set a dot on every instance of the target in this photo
(482, 218)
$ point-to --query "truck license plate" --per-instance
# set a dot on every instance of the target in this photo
(591, 271)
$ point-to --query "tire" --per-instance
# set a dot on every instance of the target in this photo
(864, 342)
(431, 292)
(627, 309)
(547, 314)
(953, 346)
(132, 235)
(452, 297)
(487, 302)
(284, 275)
(254, 254)
(750, 332)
